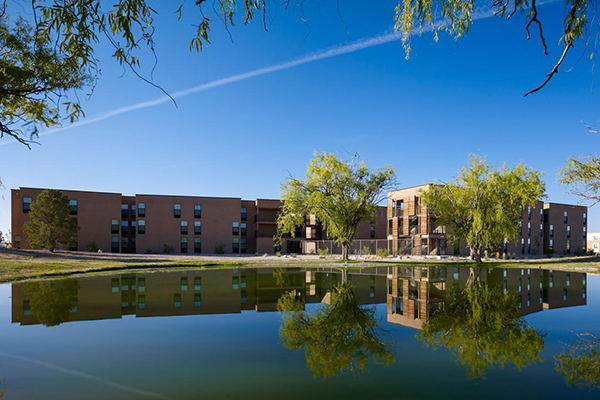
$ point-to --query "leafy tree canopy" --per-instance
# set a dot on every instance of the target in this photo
(341, 336)
(339, 193)
(581, 364)
(582, 175)
(51, 301)
(51, 225)
(481, 326)
(484, 204)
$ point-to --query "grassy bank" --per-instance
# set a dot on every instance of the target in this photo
(19, 264)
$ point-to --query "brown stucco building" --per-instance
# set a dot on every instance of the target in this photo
(146, 223)
(544, 228)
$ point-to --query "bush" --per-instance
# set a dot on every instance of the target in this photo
(167, 249)
(591, 252)
(220, 249)
(549, 252)
(266, 255)
(579, 253)
(323, 252)
(383, 253)
(366, 251)
(293, 255)
(278, 254)
(93, 247)
(148, 251)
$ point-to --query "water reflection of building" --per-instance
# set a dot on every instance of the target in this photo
(189, 292)
(415, 293)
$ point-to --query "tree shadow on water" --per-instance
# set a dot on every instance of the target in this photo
(340, 336)
(482, 327)
(581, 363)
(52, 301)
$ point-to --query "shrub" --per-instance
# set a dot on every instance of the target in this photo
(265, 255)
(323, 252)
(278, 254)
(167, 249)
(293, 255)
(220, 249)
(591, 252)
(92, 247)
(579, 253)
(148, 251)
(383, 253)
(549, 252)
(366, 251)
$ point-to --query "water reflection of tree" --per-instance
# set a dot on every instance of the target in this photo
(482, 327)
(336, 337)
(51, 301)
(581, 364)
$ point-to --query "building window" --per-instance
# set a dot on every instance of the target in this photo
(73, 207)
(125, 245)
(541, 215)
(236, 228)
(584, 218)
(177, 210)
(244, 247)
(584, 233)
(568, 246)
(520, 228)
(528, 246)
(114, 244)
(141, 209)
(73, 244)
(541, 229)
(142, 226)
(551, 244)
(124, 211)
(184, 245)
(566, 217)
(197, 283)
(244, 297)
(235, 282)
(142, 285)
(197, 211)
(568, 231)
(568, 279)
(114, 226)
(133, 210)
(529, 213)
(197, 300)
(372, 232)
(236, 245)
(124, 227)
(197, 245)
(522, 246)
(393, 208)
(565, 295)
(551, 230)
(17, 242)
(133, 227)
(141, 302)
(244, 213)
(184, 284)
(177, 300)
(529, 229)
(26, 204)
(197, 227)
(244, 228)
(184, 227)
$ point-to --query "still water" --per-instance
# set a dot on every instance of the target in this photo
(273, 333)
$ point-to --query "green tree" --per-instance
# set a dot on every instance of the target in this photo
(51, 225)
(341, 336)
(582, 175)
(581, 364)
(484, 204)
(52, 301)
(339, 193)
(482, 327)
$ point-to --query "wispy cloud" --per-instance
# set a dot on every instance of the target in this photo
(482, 13)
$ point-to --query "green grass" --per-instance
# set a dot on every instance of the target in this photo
(38, 265)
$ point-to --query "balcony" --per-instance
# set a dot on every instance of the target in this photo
(269, 219)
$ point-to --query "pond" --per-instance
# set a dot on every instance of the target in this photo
(273, 333)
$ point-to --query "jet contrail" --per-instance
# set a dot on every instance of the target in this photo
(98, 380)
(320, 55)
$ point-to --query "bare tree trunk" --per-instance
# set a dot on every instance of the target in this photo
(475, 254)
(344, 275)
(344, 252)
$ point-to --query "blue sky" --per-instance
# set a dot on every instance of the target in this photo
(423, 116)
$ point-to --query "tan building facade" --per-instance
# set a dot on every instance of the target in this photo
(147, 223)
(544, 228)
